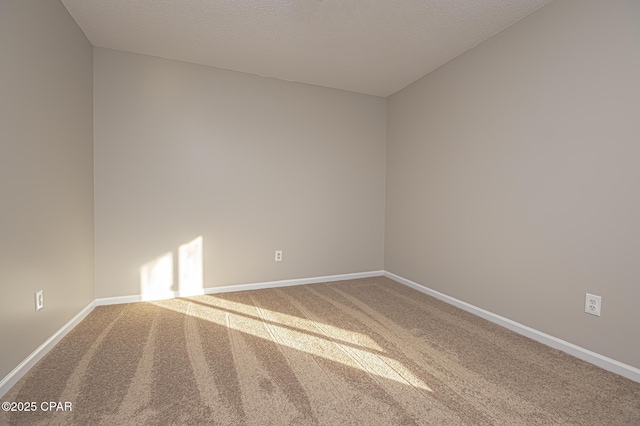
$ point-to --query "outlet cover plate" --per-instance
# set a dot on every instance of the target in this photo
(39, 300)
(592, 304)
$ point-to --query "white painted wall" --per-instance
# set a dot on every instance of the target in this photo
(513, 171)
(251, 164)
(46, 174)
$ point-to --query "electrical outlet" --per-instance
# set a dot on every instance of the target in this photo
(593, 304)
(39, 300)
(278, 255)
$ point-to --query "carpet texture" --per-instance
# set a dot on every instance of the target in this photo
(360, 352)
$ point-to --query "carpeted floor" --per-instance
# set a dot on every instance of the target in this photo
(361, 352)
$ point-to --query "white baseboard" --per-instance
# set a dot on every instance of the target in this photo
(601, 361)
(118, 300)
(250, 286)
(22, 369)
(288, 283)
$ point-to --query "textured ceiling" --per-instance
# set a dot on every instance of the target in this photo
(369, 46)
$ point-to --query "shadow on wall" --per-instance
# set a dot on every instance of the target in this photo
(156, 277)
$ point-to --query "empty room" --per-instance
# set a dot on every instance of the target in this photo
(320, 212)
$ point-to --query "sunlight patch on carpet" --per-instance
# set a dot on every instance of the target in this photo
(346, 347)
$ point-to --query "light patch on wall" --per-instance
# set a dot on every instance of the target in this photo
(190, 267)
(156, 278)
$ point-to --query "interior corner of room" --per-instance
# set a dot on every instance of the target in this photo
(504, 182)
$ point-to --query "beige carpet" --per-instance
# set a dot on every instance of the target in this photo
(361, 352)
